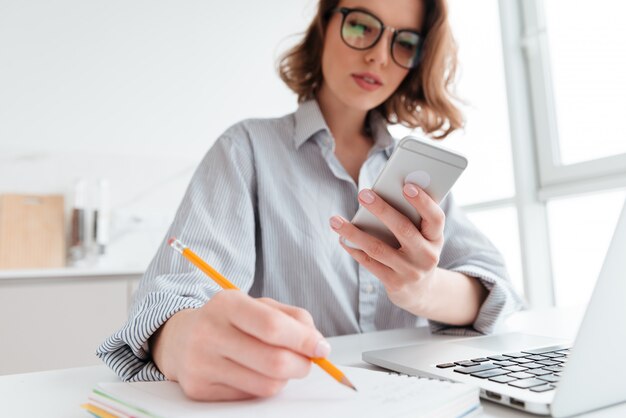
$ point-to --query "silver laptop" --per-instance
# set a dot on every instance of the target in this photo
(538, 374)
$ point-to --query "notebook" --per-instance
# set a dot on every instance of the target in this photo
(379, 394)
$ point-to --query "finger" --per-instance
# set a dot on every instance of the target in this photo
(384, 273)
(275, 327)
(299, 314)
(252, 353)
(405, 231)
(236, 375)
(433, 218)
(372, 246)
(215, 392)
(232, 374)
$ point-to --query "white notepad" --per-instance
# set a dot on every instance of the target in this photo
(379, 394)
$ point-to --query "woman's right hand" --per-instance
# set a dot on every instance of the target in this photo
(237, 347)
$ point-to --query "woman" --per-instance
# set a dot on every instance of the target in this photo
(259, 206)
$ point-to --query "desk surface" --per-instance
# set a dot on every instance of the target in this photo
(59, 393)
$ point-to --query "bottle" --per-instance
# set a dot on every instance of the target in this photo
(77, 250)
(102, 217)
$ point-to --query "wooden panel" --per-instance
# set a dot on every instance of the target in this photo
(32, 231)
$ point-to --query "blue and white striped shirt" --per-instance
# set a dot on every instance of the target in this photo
(257, 209)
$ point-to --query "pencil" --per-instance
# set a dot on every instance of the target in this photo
(224, 283)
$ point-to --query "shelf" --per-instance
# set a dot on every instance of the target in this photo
(91, 272)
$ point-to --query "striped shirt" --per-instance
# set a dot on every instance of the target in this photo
(257, 209)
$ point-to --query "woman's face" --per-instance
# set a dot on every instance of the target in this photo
(363, 79)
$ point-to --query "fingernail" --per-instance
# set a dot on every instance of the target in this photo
(322, 349)
(336, 222)
(410, 190)
(367, 196)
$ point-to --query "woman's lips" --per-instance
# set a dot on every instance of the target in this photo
(367, 82)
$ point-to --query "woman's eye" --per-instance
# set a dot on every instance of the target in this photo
(407, 45)
(359, 28)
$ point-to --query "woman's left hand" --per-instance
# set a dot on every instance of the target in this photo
(406, 272)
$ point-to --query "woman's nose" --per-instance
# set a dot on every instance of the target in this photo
(381, 50)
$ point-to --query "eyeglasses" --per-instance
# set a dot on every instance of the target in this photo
(362, 30)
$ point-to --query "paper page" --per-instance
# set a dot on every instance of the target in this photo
(378, 393)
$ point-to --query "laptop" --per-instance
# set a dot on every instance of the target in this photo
(538, 374)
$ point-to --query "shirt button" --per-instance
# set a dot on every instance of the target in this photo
(369, 288)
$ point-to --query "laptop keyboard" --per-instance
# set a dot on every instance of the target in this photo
(538, 370)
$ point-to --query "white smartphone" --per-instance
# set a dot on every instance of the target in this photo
(432, 168)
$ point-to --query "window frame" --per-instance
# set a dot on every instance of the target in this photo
(555, 178)
(538, 172)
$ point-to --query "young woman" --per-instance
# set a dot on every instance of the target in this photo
(259, 207)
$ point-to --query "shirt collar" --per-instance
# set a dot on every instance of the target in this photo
(382, 138)
(309, 121)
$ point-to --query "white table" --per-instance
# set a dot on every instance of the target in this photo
(59, 393)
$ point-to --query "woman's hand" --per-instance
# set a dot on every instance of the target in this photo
(237, 347)
(408, 272)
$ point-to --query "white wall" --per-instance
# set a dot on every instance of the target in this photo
(135, 91)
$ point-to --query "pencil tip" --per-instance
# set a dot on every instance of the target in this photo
(346, 382)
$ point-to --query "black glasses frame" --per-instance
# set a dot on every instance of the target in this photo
(345, 11)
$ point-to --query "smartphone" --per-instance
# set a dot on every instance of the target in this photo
(432, 168)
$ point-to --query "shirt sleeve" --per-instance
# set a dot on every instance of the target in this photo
(467, 250)
(216, 219)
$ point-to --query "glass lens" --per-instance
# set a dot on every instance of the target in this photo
(360, 30)
(405, 48)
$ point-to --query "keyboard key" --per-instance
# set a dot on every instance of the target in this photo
(538, 372)
(497, 358)
(515, 355)
(468, 363)
(480, 359)
(555, 369)
(502, 379)
(548, 362)
(553, 355)
(549, 378)
(546, 349)
(542, 388)
(515, 368)
(522, 360)
(521, 375)
(490, 373)
(527, 383)
(446, 365)
(536, 357)
(505, 363)
(477, 368)
(533, 365)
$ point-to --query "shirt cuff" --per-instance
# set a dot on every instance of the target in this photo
(124, 351)
(501, 301)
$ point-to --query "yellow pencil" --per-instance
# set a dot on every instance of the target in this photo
(224, 283)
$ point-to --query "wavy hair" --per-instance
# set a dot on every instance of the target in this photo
(424, 98)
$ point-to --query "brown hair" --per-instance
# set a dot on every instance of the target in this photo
(423, 99)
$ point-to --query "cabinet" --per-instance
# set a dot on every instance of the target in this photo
(56, 321)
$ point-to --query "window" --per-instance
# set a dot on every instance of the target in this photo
(577, 93)
(587, 44)
(581, 228)
(564, 63)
